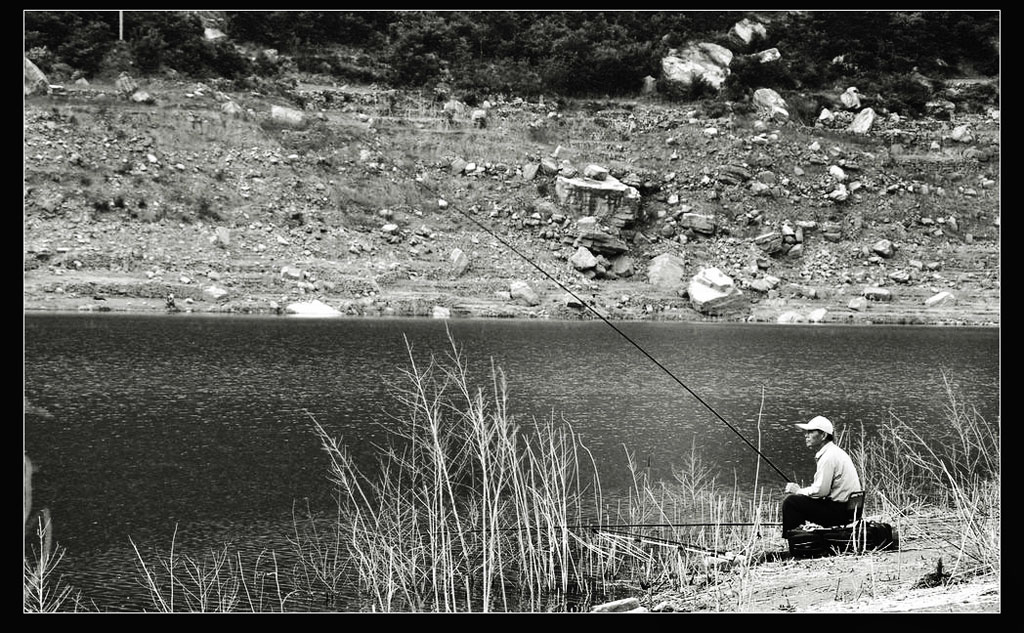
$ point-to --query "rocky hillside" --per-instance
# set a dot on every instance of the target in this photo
(383, 203)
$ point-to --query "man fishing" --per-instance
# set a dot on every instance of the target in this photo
(835, 479)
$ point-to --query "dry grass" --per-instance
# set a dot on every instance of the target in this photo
(909, 476)
(464, 512)
(216, 583)
(42, 588)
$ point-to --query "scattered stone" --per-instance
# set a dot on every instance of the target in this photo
(873, 293)
(940, 299)
(583, 259)
(521, 292)
(459, 261)
(863, 122)
(314, 308)
(851, 98)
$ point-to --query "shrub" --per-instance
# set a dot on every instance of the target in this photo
(698, 89)
(904, 94)
(119, 59)
(206, 210)
(148, 50)
(42, 57)
(747, 74)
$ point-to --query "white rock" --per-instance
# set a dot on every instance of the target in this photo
(314, 308)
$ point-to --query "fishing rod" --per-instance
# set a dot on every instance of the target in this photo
(420, 181)
(612, 526)
(664, 542)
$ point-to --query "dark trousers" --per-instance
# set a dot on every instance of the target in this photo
(799, 508)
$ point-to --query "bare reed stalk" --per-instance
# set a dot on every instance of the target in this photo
(463, 503)
(757, 467)
(959, 474)
(322, 562)
(42, 592)
(214, 584)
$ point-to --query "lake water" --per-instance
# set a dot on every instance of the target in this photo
(200, 423)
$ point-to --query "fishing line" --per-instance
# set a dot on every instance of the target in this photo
(419, 180)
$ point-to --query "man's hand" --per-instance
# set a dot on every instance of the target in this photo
(792, 488)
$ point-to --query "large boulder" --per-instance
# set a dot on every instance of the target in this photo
(771, 105)
(863, 121)
(666, 272)
(712, 292)
(583, 259)
(710, 62)
(521, 292)
(746, 29)
(35, 80)
(287, 116)
(608, 200)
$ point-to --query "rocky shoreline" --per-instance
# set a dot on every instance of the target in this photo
(90, 294)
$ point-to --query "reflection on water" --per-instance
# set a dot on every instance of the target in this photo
(203, 422)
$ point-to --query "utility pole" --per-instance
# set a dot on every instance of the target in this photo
(120, 26)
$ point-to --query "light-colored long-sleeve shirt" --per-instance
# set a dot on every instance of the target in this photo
(835, 476)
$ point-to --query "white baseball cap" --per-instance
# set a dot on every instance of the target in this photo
(818, 423)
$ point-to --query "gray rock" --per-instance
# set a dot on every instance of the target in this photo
(35, 79)
(884, 248)
(746, 29)
(712, 292)
(622, 266)
(941, 299)
(521, 292)
(770, 243)
(595, 172)
(549, 166)
(602, 199)
(459, 261)
(583, 259)
(863, 121)
(706, 61)
(771, 105)
(287, 116)
(767, 56)
(617, 606)
(873, 293)
(666, 271)
(706, 224)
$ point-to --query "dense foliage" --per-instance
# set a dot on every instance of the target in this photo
(571, 53)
